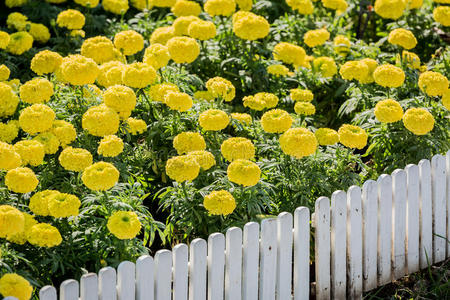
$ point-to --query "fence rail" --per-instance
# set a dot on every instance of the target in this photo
(363, 238)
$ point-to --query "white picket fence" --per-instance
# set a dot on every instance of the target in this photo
(364, 238)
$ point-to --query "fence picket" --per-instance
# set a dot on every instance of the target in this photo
(89, 287)
(384, 229)
(126, 282)
(301, 253)
(233, 264)
(180, 272)
(399, 223)
(322, 248)
(412, 227)
(426, 215)
(354, 243)
(69, 290)
(370, 230)
(284, 256)
(438, 181)
(268, 262)
(216, 266)
(145, 284)
(107, 284)
(448, 202)
(250, 261)
(197, 270)
(338, 244)
(163, 275)
(46, 293)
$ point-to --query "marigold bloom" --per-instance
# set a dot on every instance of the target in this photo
(14, 285)
(100, 176)
(418, 120)
(301, 95)
(372, 65)
(70, 19)
(8, 100)
(45, 62)
(157, 56)
(22, 237)
(158, 91)
(124, 224)
(221, 88)
(325, 66)
(403, 38)
(9, 158)
(277, 70)
(117, 7)
(4, 73)
(120, 98)
(304, 108)
(38, 90)
(390, 9)
(31, 152)
(354, 70)
(21, 180)
(36, 118)
(213, 119)
(304, 7)
(111, 73)
(244, 172)
(182, 168)
(219, 203)
(204, 158)
(49, 141)
(389, 76)
(164, 3)
(441, 14)
(4, 39)
(61, 205)
(276, 121)
(100, 120)
(98, 48)
(202, 30)
(326, 136)
(19, 43)
(244, 5)
(110, 146)
(186, 8)
(242, 118)
(12, 221)
(341, 45)
(220, 7)
(44, 235)
(79, 70)
(162, 34)
(352, 136)
(64, 132)
(136, 126)
(289, 53)
(433, 83)
(237, 148)
(9, 131)
(183, 49)
(317, 37)
(178, 101)
(39, 32)
(39, 202)
(298, 142)
(75, 159)
(250, 27)
(388, 111)
(186, 142)
(181, 25)
(446, 99)
(129, 42)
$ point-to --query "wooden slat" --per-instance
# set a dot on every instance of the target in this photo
(46, 293)
(197, 270)
(268, 250)
(233, 264)
(338, 237)
(284, 255)
(354, 243)
(250, 261)
(438, 180)
(370, 234)
(399, 223)
(180, 272)
(384, 229)
(448, 202)
(89, 287)
(301, 253)
(126, 281)
(163, 275)
(107, 283)
(145, 282)
(412, 218)
(69, 290)
(216, 266)
(426, 215)
(322, 248)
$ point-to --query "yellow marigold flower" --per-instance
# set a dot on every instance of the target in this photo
(326, 136)
(4, 73)
(75, 159)
(39, 202)
(433, 83)
(277, 70)
(21, 237)
(237, 148)
(270, 100)
(301, 95)
(39, 32)
(221, 88)
(182, 168)
(244, 5)
(79, 70)
(100, 120)
(138, 75)
(403, 38)
(9, 157)
(77, 33)
(157, 56)
(44, 235)
(276, 121)
(242, 118)
(164, 3)
(354, 69)
(61, 205)
(298, 142)
(9, 131)
(70, 19)
(49, 141)
(372, 65)
(289, 53)
(55, 1)
(390, 9)
(16, 286)
(21, 180)
(15, 3)
(8, 100)
(352, 136)
(446, 99)
(12, 221)
(111, 73)
(244, 172)
(220, 7)
(181, 25)
(412, 4)
(162, 34)
(186, 142)
(304, 7)
(389, 76)
(110, 146)
(341, 45)
(204, 95)
(100, 176)
(339, 5)
(219, 203)
(441, 14)
(31, 152)
(87, 3)
(4, 39)
(325, 66)
(129, 42)
(316, 37)
(19, 43)
(38, 90)
(183, 49)
(45, 62)
(124, 224)
(16, 21)
(186, 8)
(254, 103)
(120, 98)
(36, 118)
(178, 101)
(117, 7)
(411, 59)
(250, 27)
(388, 111)
(136, 126)
(304, 108)
(418, 120)
(98, 48)
(204, 158)
(202, 30)
(64, 132)
(158, 91)
(213, 119)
